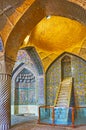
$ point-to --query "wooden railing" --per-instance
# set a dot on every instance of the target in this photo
(73, 116)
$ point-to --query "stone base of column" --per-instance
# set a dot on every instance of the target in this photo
(4, 126)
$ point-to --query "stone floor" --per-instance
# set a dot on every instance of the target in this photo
(32, 125)
(30, 122)
(22, 118)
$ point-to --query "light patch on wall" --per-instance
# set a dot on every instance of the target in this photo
(48, 17)
(26, 40)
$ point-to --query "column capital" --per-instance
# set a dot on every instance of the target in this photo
(6, 65)
(4, 76)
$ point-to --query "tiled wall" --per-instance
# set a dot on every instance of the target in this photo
(78, 72)
(53, 78)
(27, 84)
(66, 67)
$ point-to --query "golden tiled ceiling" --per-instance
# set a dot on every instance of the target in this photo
(53, 35)
(57, 33)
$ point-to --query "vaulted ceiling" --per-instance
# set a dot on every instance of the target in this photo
(54, 35)
(51, 26)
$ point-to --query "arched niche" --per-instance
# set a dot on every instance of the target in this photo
(27, 84)
(25, 88)
(77, 70)
(66, 67)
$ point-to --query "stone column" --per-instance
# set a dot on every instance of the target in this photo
(5, 93)
(5, 101)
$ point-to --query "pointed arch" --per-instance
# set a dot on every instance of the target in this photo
(27, 72)
(54, 76)
(66, 67)
(36, 59)
(41, 9)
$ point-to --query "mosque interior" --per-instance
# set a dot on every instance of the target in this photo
(43, 61)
